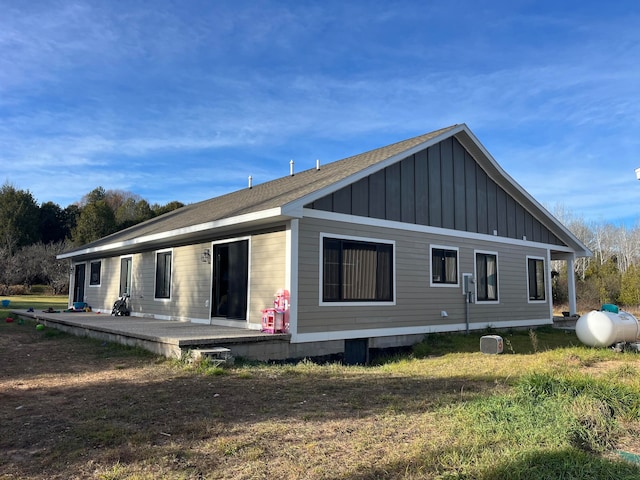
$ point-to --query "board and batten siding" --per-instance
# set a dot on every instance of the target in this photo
(417, 304)
(444, 187)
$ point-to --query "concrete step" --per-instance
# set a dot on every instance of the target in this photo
(216, 355)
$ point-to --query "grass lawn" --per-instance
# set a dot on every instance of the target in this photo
(37, 302)
(547, 408)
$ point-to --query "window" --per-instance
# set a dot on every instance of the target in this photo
(125, 275)
(444, 266)
(535, 274)
(357, 271)
(94, 273)
(163, 275)
(486, 277)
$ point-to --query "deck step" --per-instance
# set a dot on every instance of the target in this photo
(216, 355)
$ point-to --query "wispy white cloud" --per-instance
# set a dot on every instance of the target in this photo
(100, 94)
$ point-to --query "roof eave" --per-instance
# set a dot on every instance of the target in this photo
(195, 231)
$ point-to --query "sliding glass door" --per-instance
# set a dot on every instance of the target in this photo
(230, 280)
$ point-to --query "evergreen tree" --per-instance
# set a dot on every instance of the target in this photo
(96, 220)
(630, 288)
(53, 223)
(169, 207)
(19, 219)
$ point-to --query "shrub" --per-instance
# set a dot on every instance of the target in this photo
(17, 290)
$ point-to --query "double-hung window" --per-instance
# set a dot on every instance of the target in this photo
(535, 276)
(486, 277)
(444, 266)
(163, 275)
(356, 270)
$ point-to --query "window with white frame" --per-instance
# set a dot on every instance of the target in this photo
(486, 277)
(94, 273)
(444, 265)
(356, 271)
(125, 275)
(163, 275)
(536, 279)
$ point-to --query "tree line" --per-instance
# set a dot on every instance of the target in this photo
(611, 274)
(32, 235)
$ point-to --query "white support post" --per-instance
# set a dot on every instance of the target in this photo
(571, 282)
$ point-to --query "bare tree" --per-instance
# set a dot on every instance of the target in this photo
(54, 271)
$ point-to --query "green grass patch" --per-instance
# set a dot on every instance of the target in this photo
(37, 302)
(518, 435)
(623, 400)
(515, 341)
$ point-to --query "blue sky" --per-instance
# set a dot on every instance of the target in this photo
(183, 100)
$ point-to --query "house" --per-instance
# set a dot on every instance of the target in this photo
(425, 235)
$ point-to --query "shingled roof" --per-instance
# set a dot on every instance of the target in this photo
(284, 198)
(265, 196)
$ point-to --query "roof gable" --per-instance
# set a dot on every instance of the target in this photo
(286, 197)
(440, 186)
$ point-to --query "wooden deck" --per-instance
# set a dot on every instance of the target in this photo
(164, 337)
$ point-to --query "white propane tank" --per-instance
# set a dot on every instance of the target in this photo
(602, 329)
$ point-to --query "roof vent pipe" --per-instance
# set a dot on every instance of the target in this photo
(250, 181)
(317, 164)
(291, 168)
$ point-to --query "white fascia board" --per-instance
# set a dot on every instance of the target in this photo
(295, 207)
(584, 251)
(202, 227)
(376, 222)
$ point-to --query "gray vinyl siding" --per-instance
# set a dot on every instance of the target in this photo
(102, 297)
(267, 276)
(191, 280)
(441, 186)
(417, 304)
(190, 284)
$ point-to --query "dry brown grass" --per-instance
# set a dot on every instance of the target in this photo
(75, 408)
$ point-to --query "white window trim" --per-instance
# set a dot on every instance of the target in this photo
(444, 285)
(475, 275)
(100, 278)
(155, 274)
(120, 273)
(546, 294)
(322, 303)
